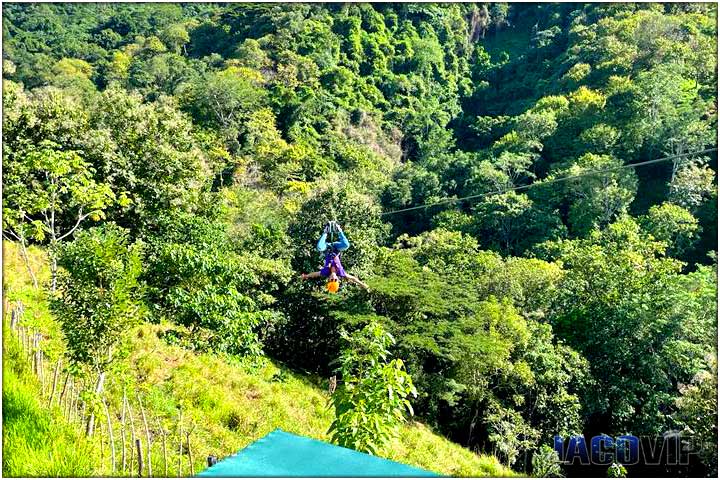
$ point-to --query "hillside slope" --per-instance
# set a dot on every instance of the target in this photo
(223, 403)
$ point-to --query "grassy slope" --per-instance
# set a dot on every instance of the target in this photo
(227, 404)
(37, 442)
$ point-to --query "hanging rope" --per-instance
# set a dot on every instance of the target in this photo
(548, 182)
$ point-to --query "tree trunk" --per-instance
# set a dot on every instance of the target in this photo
(52, 252)
(472, 426)
(53, 245)
(23, 249)
(675, 168)
(91, 419)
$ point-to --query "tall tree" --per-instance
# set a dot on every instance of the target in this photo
(48, 194)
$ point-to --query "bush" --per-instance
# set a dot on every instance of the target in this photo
(97, 295)
(616, 470)
(370, 403)
(546, 463)
(196, 280)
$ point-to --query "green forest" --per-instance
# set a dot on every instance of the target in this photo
(169, 168)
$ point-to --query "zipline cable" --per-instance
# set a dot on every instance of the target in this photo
(548, 182)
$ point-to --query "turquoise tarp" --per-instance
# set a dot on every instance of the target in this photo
(282, 454)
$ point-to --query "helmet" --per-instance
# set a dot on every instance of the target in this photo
(333, 286)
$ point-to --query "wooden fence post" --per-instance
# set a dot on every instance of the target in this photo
(102, 443)
(68, 401)
(122, 422)
(133, 436)
(147, 437)
(192, 467)
(54, 384)
(140, 458)
(80, 402)
(164, 439)
(180, 448)
(38, 358)
(73, 402)
(74, 412)
(41, 362)
(38, 366)
(32, 354)
(62, 392)
(110, 432)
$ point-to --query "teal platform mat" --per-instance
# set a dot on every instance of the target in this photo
(282, 454)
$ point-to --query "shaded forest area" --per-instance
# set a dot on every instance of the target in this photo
(196, 151)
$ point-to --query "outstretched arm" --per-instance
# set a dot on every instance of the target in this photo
(305, 276)
(355, 280)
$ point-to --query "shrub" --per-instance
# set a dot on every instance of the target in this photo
(96, 300)
(370, 403)
(546, 463)
(196, 280)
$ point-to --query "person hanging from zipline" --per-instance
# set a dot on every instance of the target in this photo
(333, 269)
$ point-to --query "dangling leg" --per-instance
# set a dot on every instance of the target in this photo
(356, 281)
(322, 243)
(343, 243)
(321, 247)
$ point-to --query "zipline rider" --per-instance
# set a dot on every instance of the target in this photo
(333, 269)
